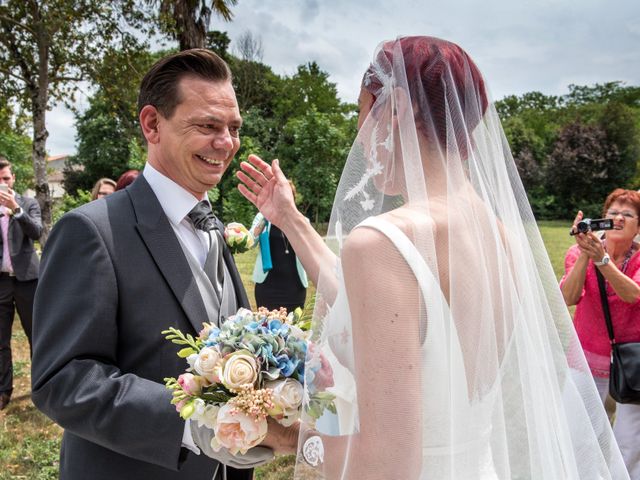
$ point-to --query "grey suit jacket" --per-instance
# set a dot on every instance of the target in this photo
(113, 277)
(22, 232)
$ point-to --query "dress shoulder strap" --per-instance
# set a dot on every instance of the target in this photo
(433, 297)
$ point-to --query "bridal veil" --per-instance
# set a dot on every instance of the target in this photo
(452, 352)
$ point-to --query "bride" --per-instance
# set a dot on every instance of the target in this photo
(453, 355)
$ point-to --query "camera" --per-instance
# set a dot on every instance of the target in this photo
(588, 225)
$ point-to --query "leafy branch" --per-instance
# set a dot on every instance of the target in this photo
(194, 345)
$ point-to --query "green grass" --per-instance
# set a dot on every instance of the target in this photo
(30, 442)
(555, 234)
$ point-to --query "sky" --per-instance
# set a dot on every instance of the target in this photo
(520, 46)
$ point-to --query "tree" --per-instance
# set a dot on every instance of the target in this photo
(187, 21)
(103, 147)
(578, 173)
(528, 151)
(621, 124)
(308, 88)
(48, 46)
(108, 133)
(602, 93)
(313, 150)
(15, 145)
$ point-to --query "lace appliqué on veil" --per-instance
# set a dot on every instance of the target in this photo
(375, 168)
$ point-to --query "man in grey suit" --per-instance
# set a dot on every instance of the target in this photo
(20, 226)
(119, 270)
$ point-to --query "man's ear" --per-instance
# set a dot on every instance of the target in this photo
(149, 119)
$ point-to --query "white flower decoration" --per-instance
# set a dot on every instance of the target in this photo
(367, 204)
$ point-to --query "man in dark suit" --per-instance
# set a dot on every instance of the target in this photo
(119, 270)
(21, 226)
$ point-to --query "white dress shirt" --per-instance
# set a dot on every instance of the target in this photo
(177, 203)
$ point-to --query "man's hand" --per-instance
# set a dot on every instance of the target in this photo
(8, 199)
(267, 188)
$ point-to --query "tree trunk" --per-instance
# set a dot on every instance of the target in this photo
(191, 26)
(39, 154)
(40, 134)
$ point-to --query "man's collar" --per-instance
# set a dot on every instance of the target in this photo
(174, 200)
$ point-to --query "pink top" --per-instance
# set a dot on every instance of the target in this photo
(589, 318)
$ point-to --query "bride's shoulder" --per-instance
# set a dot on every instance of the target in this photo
(362, 241)
(372, 238)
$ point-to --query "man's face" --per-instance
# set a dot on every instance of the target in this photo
(7, 177)
(198, 142)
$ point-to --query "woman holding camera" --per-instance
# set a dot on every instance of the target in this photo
(615, 256)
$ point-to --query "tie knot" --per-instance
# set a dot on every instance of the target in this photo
(202, 216)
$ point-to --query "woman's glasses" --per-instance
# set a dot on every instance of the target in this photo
(625, 213)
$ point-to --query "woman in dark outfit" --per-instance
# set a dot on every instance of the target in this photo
(278, 274)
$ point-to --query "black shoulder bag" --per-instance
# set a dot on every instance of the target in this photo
(624, 371)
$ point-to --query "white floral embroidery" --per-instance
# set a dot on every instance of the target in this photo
(313, 451)
(367, 203)
(375, 168)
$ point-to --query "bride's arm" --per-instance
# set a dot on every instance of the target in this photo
(385, 311)
(267, 188)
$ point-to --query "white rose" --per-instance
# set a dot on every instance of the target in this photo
(206, 362)
(287, 396)
(238, 369)
(205, 414)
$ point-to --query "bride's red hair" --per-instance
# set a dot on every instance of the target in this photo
(441, 78)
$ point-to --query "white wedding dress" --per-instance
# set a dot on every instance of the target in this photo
(470, 458)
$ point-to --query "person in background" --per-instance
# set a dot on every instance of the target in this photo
(102, 188)
(278, 274)
(126, 179)
(21, 226)
(615, 255)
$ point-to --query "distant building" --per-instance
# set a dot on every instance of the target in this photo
(55, 175)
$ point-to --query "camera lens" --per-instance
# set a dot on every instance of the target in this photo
(584, 226)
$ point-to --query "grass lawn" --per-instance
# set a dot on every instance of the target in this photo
(29, 442)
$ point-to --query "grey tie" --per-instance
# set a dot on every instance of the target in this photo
(204, 219)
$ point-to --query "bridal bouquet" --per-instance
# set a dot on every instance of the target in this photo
(238, 375)
(238, 238)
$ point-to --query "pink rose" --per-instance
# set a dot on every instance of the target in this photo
(190, 384)
(237, 432)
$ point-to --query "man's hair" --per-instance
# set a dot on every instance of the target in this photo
(159, 86)
(4, 163)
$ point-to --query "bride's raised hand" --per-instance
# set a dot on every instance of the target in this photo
(267, 188)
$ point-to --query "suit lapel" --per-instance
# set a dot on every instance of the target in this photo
(160, 238)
